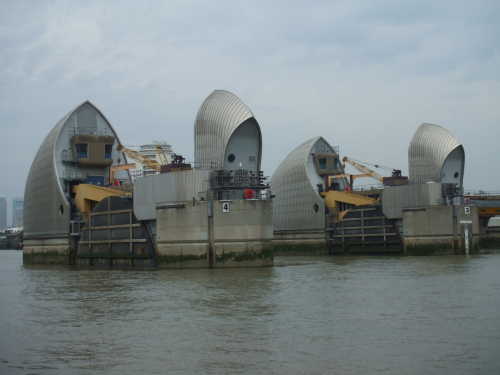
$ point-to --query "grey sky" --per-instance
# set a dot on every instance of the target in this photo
(363, 74)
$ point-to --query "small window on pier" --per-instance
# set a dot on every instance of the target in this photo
(322, 163)
(82, 150)
(108, 149)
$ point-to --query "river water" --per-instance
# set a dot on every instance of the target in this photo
(317, 315)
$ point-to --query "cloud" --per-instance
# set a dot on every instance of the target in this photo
(363, 75)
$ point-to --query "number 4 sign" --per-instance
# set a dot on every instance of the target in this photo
(226, 207)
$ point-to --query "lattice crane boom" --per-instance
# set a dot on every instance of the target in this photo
(363, 169)
(153, 164)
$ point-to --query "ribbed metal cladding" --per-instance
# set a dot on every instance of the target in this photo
(218, 117)
(296, 192)
(429, 148)
(46, 209)
(42, 196)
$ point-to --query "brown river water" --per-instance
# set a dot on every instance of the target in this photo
(307, 315)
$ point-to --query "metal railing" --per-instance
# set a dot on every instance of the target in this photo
(72, 175)
(237, 179)
(480, 192)
(368, 187)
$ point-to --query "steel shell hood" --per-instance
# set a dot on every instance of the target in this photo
(46, 204)
(297, 204)
(218, 119)
(435, 155)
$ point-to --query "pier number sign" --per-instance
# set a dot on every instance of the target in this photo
(226, 207)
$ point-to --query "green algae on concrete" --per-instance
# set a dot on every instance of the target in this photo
(46, 257)
(436, 249)
(489, 243)
(299, 249)
(248, 255)
(182, 261)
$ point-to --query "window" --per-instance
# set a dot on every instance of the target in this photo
(81, 150)
(108, 149)
(456, 175)
(322, 163)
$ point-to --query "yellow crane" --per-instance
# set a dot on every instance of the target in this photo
(339, 201)
(366, 172)
(153, 164)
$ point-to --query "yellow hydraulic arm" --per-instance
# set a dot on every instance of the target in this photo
(334, 197)
(153, 164)
(86, 195)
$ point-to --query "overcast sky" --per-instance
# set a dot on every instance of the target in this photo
(363, 74)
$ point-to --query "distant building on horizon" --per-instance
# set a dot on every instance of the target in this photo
(3, 213)
(17, 212)
(159, 151)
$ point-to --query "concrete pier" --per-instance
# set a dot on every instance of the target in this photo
(189, 235)
(305, 242)
(440, 230)
(46, 251)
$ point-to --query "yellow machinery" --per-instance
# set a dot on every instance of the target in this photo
(168, 162)
(367, 172)
(339, 201)
(334, 200)
(87, 195)
(395, 179)
(120, 167)
(153, 164)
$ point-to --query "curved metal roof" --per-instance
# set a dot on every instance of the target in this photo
(219, 116)
(294, 186)
(46, 208)
(429, 148)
